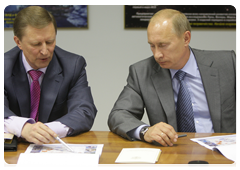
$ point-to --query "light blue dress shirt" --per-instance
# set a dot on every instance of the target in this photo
(202, 118)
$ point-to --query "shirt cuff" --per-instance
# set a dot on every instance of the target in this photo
(135, 133)
(14, 124)
(60, 129)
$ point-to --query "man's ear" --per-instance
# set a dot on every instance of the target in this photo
(187, 37)
(18, 42)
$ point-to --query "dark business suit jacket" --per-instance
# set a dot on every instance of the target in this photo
(65, 94)
(149, 87)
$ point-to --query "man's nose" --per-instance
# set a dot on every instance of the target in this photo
(44, 49)
(158, 53)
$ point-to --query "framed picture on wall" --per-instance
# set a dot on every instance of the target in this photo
(217, 16)
(67, 16)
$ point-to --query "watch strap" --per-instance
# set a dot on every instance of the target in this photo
(142, 132)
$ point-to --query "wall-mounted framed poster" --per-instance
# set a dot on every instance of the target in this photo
(211, 16)
(67, 16)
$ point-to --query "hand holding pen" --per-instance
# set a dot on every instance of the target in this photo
(64, 144)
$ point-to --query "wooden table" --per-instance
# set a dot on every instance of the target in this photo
(183, 151)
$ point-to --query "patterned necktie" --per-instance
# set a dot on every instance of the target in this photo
(35, 93)
(185, 117)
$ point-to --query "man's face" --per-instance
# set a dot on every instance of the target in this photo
(169, 50)
(38, 45)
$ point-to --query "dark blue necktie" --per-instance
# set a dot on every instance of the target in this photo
(185, 117)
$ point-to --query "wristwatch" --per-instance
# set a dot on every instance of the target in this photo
(142, 132)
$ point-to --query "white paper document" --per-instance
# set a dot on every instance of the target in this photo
(138, 155)
(59, 148)
(57, 160)
(52, 155)
(225, 144)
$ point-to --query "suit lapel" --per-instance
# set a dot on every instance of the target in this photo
(210, 79)
(49, 89)
(163, 84)
(21, 86)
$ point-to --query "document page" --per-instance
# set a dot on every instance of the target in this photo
(226, 144)
(55, 160)
(59, 148)
(52, 155)
(138, 155)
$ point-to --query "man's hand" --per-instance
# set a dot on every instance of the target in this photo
(162, 133)
(38, 133)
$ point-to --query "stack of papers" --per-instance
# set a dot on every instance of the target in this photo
(57, 155)
(138, 155)
(225, 144)
(8, 136)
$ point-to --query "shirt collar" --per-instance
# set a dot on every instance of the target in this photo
(28, 67)
(190, 67)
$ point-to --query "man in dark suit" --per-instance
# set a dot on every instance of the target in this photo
(66, 105)
(153, 85)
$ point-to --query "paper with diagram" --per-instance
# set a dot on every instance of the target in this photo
(52, 155)
(226, 144)
(59, 148)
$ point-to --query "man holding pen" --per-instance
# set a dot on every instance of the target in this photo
(46, 93)
(182, 89)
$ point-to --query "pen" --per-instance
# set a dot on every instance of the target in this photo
(64, 144)
(183, 135)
